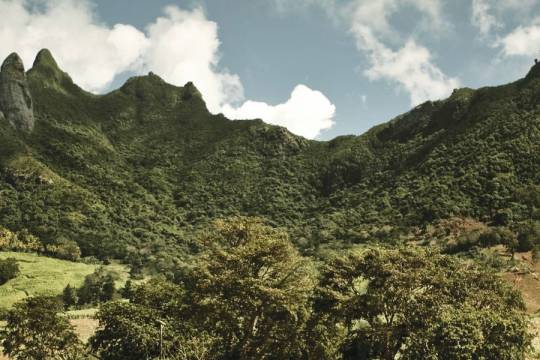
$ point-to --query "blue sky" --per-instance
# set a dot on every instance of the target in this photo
(322, 68)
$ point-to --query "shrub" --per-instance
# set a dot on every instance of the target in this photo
(97, 287)
(528, 236)
(65, 249)
(9, 269)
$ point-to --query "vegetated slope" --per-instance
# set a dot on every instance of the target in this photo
(138, 172)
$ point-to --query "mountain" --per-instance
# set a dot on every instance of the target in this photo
(137, 173)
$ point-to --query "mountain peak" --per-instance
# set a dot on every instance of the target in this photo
(13, 66)
(44, 58)
(535, 70)
(47, 71)
(190, 91)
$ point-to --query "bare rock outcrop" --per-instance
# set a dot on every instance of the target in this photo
(15, 98)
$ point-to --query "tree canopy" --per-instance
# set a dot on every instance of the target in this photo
(248, 294)
(36, 329)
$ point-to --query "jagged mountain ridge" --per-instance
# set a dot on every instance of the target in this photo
(142, 168)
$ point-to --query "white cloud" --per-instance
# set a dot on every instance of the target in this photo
(524, 41)
(306, 113)
(376, 15)
(490, 16)
(180, 46)
(482, 17)
(94, 54)
(184, 47)
(411, 66)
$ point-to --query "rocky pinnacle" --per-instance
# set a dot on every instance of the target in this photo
(15, 99)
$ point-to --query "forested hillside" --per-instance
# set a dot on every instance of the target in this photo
(137, 173)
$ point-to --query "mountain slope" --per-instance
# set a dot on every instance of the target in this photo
(138, 172)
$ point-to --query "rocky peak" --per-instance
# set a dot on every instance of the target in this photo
(13, 66)
(45, 58)
(46, 70)
(190, 91)
(535, 70)
(15, 99)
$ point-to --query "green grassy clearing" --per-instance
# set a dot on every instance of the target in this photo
(41, 275)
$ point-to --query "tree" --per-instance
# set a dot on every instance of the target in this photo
(253, 284)
(9, 269)
(97, 287)
(127, 290)
(530, 196)
(528, 236)
(412, 304)
(69, 296)
(36, 330)
(108, 289)
(64, 248)
(245, 296)
(127, 331)
(131, 330)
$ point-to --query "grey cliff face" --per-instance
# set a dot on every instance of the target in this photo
(15, 99)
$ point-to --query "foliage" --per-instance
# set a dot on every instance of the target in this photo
(69, 296)
(245, 296)
(139, 172)
(35, 330)
(97, 287)
(127, 290)
(249, 295)
(9, 269)
(417, 304)
(253, 284)
(22, 241)
(528, 236)
(64, 249)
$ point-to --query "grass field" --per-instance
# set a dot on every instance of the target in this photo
(41, 275)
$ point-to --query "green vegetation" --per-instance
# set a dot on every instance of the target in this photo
(330, 250)
(40, 275)
(250, 295)
(139, 173)
(97, 287)
(36, 330)
(9, 269)
(415, 304)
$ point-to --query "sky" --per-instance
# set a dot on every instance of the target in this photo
(321, 68)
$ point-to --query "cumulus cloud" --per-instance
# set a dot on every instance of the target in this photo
(180, 46)
(411, 66)
(184, 46)
(93, 53)
(522, 41)
(303, 103)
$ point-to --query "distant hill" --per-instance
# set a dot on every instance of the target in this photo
(138, 172)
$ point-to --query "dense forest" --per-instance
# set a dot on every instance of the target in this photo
(249, 242)
(140, 172)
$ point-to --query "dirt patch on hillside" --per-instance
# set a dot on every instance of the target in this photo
(85, 328)
(527, 282)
